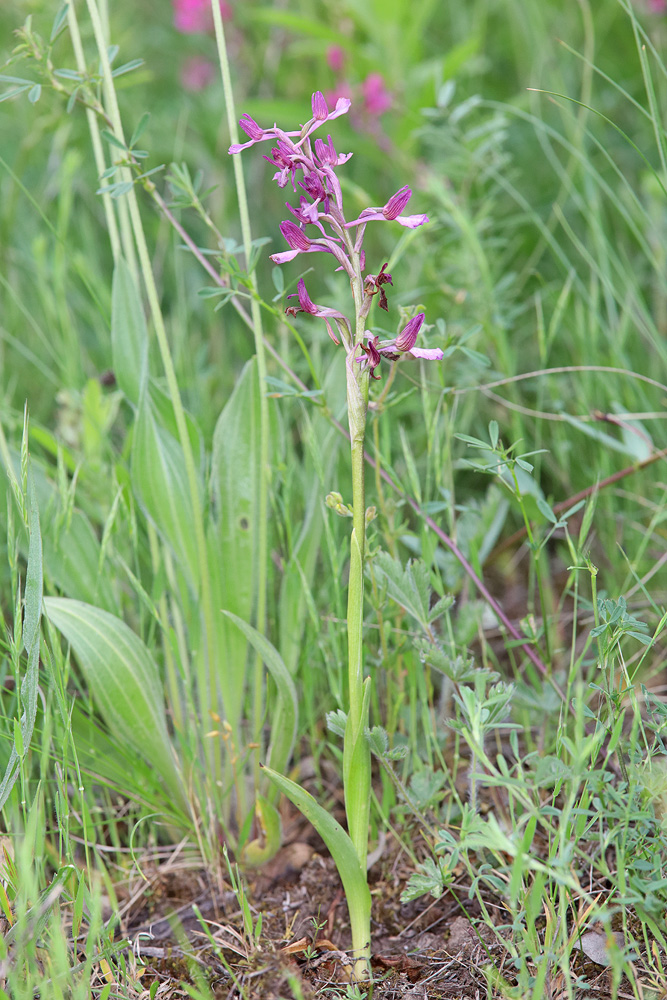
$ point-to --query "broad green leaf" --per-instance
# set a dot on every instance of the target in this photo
(129, 336)
(118, 765)
(233, 534)
(161, 485)
(164, 414)
(235, 486)
(284, 717)
(122, 678)
(71, 562)
(342, 850)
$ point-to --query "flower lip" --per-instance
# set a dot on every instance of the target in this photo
(408, 336)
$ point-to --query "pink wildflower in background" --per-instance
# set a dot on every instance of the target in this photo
(657, 6)
(197, 73)
(335, 58)
(194, 16)
(377, 99)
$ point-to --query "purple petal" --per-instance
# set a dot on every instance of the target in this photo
(305, 300)
(368, 215)
(282, 258)
(238, 146)
(411, 221)
(427, 353)
(251, 128)
(294, 236)
(407, 338)
(397, 203)
(342, 107)
(320, 109)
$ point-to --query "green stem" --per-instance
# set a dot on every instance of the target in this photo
(263, 499)
(356, 752)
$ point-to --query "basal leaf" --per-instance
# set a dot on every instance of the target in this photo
(122, 678)
(161, 485)
(342, 850)
(284, 717)
(233, 533)
(129, 336)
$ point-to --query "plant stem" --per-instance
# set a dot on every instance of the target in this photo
(356, 760)
(356, 751)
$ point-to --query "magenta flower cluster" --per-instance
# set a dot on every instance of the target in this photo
(319, 225)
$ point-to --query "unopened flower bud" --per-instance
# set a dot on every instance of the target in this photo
(334, 501)
(320, 109)
(408, 336)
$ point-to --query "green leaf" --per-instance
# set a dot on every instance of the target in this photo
(357, 774)
(432, 876)
(72, 561)
(161, 485)
(31, 635)
(278, 279)
(128, 67)
(378, 741)
(409, 587)
(336, 722)
(234, 530)
(284, 721)
(35, 93)
(112, 140)
(139, 130)
(123, 679)
(58, 22)
(14, 92)
(129, 336)
(545, 509)
(342, 851)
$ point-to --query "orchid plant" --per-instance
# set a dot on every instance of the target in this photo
(319, 225)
